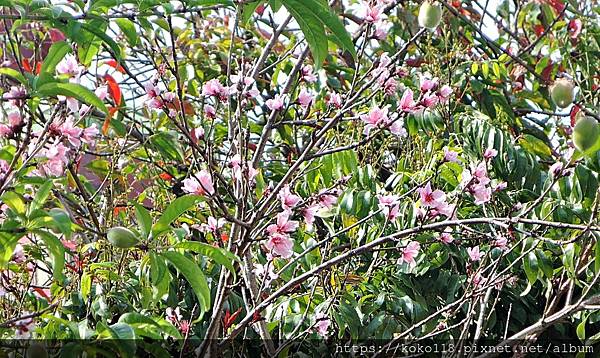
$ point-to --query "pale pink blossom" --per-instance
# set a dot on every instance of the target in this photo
(322, 324)
(501, 242)
(407, 103)
(4, 166)
(18, 255)
(69, 66)
(428, 84)
(575, 27)
(308, 74)
(390, 87)
(410, 252)
(266, 272)
(387, 200)
(101, 92)
(283, 224)
(305, 98)
(500, 186)
(446, 237)
(481, 193)
(24, 327)
(280, 245)
(376, 117)
(431, 198)
(444, 93)
(480, 171)
(382, 29)
(288, 200)
(90, 133)
(443, 208)
(5, 131)
(372, 13)
(71, 132)
(210, 111)
(391, 213)
(335, 100)
(327, 198)
(216, 89)
(490, 153)
(69, 244)
(451, 156)
(474, 253)
(556, 169)
(276, 103)
(240, 168)
(14, 119)
(429, 100)
(197, 134)
(309, 213)
(212, 225)
(16, 95)
(151, 89)
(199, 184)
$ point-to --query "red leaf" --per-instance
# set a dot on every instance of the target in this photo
(187, 107)
(109, 115)
(574, 110)
(229, 319)
(43, 293)
(113, 89)
(224, 237)
(119, 209)
(114, 64)
(558, 5)
(56, 35)
(165, 176)
(547, 72)
(256, 317)
(38, 68)
(26, 65)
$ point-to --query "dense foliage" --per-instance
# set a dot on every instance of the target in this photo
(184, 175)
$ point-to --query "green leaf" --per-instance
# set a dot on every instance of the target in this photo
(57, 252)
(14, 201)
(7, 246)
(168, 145)
(192, 273)
(221, 256)
(56, 53)
(40, 197)
(72, 90)
(144, 219)
(61, 220)
(128, 29)
(113, 46)
(323, 13)
(86, 285)
(173, 211)
(530, 264)
(14, 74)
(249, 9)
(313, 30)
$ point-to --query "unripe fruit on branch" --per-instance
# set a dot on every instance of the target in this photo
(585, 133)
(429, 15)
(562, 92)
(121, 237)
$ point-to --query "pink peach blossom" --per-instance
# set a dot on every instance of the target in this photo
(410, 252)
(199, 184)
(288, 200)
(280, 245)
